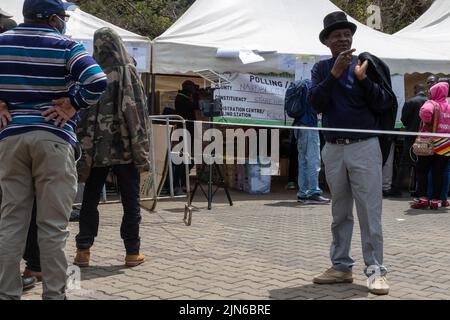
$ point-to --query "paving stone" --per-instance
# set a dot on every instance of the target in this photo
(264, 247)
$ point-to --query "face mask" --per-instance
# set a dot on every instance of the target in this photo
(64, 30)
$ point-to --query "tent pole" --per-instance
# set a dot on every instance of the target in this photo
(153, 85)
(153, 95)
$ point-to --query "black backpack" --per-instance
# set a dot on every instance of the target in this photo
(296, 98)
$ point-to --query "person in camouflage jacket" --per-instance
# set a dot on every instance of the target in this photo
(114, 137)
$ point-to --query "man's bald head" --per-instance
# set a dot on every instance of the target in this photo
(419, 88)
(7, 24)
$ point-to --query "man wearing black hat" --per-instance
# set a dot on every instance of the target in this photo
(347, 98)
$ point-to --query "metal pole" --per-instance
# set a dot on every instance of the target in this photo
(153, 96)
(153, 160)
(104, 193)
(188, 207)
(187, 160)
(210, 177)
(153, 93)
(169, 157)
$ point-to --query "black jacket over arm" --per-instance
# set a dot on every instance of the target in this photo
(410, 112)
(378, 98)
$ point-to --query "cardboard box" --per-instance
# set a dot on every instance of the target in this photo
(284, 167)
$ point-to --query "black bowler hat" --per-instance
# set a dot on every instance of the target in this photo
(333, 21)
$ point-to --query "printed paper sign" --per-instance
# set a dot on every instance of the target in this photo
(254, 97)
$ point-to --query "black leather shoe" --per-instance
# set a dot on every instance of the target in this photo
(75, 215)
(28, 282)
(394, 193)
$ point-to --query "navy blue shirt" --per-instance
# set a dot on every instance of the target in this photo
(345, 102)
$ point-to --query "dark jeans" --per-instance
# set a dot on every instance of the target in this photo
(179, 176)
(128, 179)
(445, 183)
(405, 165)
(424, 164)
(32, 253)
(293, 159)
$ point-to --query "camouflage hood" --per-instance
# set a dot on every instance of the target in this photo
(115, 132)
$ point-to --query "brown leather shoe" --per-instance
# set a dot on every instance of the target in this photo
(29, 273)
(82, 258)
(133, 260)
(332, 276)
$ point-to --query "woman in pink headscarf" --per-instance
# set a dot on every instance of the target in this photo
(438, 161)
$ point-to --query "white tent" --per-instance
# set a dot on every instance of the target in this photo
(432, 29)
(274, 29)
(433, 25)
(81, 27)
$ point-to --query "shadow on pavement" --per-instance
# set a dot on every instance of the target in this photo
(181, 210)
(315, 291)
(289, 204)
(418, 212)
(95, 272)
(295, 204)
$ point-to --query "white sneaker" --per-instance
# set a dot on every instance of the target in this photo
(378, 285)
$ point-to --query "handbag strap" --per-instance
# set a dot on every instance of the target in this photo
(435, 115)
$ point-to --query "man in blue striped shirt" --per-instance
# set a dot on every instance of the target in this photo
(45, 78)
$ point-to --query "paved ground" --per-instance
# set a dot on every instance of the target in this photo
(264, 247)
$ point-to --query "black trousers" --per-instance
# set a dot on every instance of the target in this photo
(405, 165)
(128, 179)
(424, 164)
(32, 253)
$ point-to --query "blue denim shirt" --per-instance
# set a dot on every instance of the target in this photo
(309, 118)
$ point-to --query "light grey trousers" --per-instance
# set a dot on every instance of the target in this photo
(353, 173)
(35, 164)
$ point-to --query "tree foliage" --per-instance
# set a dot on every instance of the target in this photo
(146, 17)
(152, 17)
(395, 14)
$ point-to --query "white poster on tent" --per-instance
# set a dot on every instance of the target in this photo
(253, 98)
(398, 86)
(140, 56)
(88, 45)
(303, 70)
(286, 62)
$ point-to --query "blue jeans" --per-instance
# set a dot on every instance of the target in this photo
(308, 146)
(445, 184)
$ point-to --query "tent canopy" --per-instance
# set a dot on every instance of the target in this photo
(434, 23)
(81, 27)
(273, 29)
(432, 29)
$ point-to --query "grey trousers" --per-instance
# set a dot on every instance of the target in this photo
(353, 173)
(40, 164)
